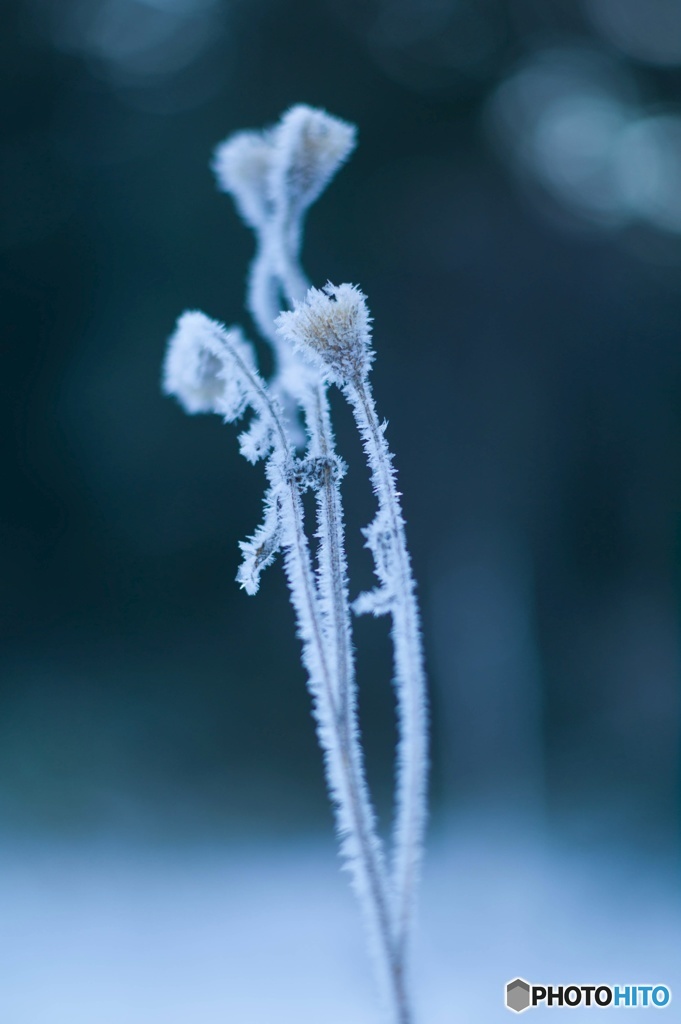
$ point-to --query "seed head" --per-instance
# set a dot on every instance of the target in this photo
(207, 366)
(192, 370)
(242, 166)
(333, 326)
(310, 146)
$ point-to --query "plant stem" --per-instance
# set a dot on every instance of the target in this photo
(355, 812)
(412, 758)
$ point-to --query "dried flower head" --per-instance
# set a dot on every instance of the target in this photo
(334, 327)
(242, 166)
(310, 146)
(285, 167)
(192, 369)
(204, 366)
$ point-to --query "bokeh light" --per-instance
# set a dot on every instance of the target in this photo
(133, 44)
(648, 171)
(649, 30)
(572, 121)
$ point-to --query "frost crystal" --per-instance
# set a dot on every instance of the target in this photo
(333, 325)
(261, 549)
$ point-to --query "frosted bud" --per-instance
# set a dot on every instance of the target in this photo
(191, 371)
(333, 326)
(205, 364)
(242, 165)
(310, 146)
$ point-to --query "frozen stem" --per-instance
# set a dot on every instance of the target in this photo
(334, 327)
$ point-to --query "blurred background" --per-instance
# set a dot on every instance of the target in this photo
(513, 212)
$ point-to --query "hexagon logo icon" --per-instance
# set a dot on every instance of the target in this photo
(518, 995)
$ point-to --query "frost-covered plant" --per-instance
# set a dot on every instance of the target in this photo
(322, 339)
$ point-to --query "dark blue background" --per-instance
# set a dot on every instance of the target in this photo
(528, 361)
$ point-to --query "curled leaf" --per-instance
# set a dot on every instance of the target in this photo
(261, 549)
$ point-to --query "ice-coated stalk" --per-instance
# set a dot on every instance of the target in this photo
(412, 753)
(333, 327)
(211, 369)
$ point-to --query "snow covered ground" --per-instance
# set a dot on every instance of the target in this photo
(269, 934)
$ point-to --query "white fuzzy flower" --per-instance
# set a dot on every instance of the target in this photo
(333, 326)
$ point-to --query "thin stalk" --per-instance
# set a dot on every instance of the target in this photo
(330, 510)
(412, 761)
(335, 629)
(412, 754)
